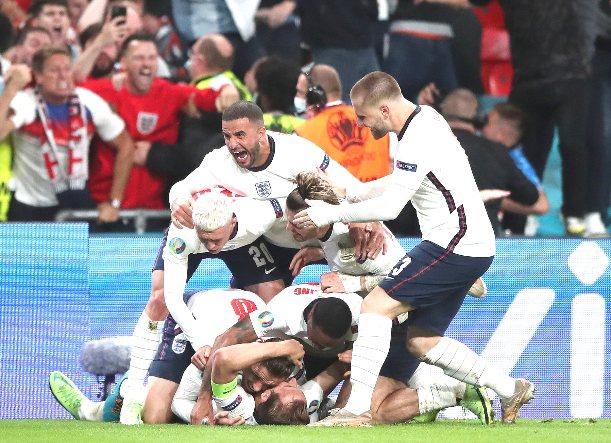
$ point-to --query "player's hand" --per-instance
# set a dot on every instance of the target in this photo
(368, 239)
(106, 213)
(200, 358)
(346, 357)
(330, 282)
(182, 213)
(318, 214)
(222, 418)
(493, 194)
(294, 352)
(304, 256)
(202, 413)
(228, 96)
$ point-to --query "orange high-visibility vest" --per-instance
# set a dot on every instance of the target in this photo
(334, 129)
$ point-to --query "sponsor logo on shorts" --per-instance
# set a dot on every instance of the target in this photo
(234, 404)
(313, 407)
(266, 319)
(177, 245)
(269, 271)
(409, 167)
(264, 189)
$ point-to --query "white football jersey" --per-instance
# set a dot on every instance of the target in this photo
(289, 155)
(431, 169)
(431, 164)
(31, 169)
(339, 253)
(237, 402)
(214, 311)
(314, 396)
(254, 218)
(283, 316)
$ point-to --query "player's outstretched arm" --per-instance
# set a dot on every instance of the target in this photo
(241, 332)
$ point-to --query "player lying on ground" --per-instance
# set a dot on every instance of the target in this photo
(282, 404)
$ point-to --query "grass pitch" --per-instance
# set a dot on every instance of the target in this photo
(446, 431)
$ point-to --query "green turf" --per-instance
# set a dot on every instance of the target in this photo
(539, 431)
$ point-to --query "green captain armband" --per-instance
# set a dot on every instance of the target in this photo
(222, 390)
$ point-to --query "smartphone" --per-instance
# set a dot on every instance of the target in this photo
(118, 11)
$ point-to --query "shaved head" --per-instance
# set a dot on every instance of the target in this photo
(327, 78)
(375, 88)
(216, 50)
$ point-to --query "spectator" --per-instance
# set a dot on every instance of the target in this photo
(552, 42)
(490, 162)
(420, 47)
(116, 29)
(333, 126)
(235, 19)
(211, 62)
(54, 123)
(6, 37)
(278, 28)
(29, 41)
(156, 21)
(599, 129)
(504, 125)
(339, 33)
(53, 16)
(151, 108)
(276, 79)
(100, 44)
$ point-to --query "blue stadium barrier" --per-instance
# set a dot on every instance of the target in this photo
(546, 317)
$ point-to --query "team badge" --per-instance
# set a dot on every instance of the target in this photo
(179, 344)
(346, 250)
(313, 407)
(264, 189)
(146, 122)
(177, 245)
(266, 319)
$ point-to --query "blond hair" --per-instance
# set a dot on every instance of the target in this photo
(211, 211)
(376, 87)
(311, 186)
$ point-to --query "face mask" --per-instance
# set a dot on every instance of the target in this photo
(300, 105)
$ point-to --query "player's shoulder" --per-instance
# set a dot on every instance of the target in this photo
(181, 241)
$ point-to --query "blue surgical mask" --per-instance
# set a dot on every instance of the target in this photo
(300, 105)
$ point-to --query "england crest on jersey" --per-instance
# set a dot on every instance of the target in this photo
(264, 189)
(146, 122)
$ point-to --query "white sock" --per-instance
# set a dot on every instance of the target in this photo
(145, 341)
(435, 397)
(368, 355)
(432, 375)
(91, 411)
(461, 363)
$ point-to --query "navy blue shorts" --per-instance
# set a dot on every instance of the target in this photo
(258, 262)
(434, 281)
(173, 355)
(399, 365)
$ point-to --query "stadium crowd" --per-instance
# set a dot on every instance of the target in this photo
(279, 133)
